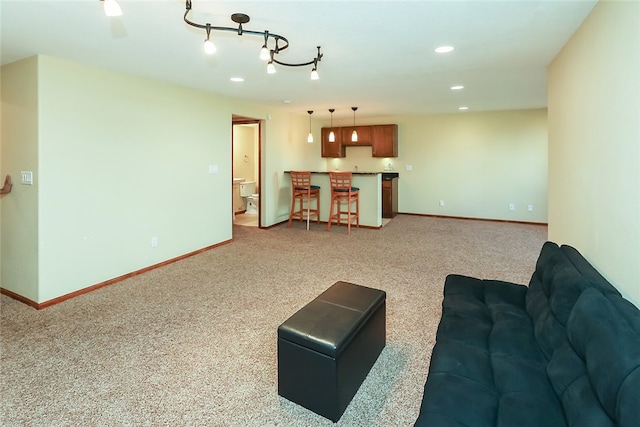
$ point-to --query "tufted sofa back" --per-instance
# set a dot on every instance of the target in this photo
(591, 337)
(560, 277)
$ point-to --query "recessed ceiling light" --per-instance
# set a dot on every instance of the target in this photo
(457, 87)
(463, 108)
(236, 79)
(444, 49)
(286, 101)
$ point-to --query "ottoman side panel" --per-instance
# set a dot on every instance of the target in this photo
(355, 362)
(307, 378)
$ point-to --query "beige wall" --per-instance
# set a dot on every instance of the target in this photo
(594, 143)
(477, 163)
(118, 160)
(286, 148)
(245, 160)
(20, 153)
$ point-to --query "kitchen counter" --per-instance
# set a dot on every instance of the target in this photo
(369, 184)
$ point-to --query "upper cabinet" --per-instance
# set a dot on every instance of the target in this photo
(384, 141)
(335, 148)
(364, 135)
(382, 138)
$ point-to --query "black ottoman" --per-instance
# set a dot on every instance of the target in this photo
(326, 349)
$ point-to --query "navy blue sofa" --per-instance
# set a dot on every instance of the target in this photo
(564, 351)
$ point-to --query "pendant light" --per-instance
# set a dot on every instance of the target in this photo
(354, 134)
(310, 137)
(265, 55)
(209, 47)
(332, 135)
(112, 8)
(271, 69)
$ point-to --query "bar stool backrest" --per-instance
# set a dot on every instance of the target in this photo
(341, 181)
(300, 180)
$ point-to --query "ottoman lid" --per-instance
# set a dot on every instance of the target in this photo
(329, 322)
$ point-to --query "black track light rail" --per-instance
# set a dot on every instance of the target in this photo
(241, 18)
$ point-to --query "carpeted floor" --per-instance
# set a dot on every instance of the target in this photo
(194, 342)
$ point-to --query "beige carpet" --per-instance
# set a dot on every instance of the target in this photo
(194, 343)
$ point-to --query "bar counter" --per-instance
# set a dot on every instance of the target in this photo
(369, 183)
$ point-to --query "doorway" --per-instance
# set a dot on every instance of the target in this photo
(246, 152)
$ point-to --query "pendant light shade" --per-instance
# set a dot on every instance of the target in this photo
(332, 135)
(310, 137)
(354, 134)
(112, 8)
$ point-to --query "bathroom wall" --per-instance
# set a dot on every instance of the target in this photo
(245, 152)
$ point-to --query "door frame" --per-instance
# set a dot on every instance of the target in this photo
(243, 120)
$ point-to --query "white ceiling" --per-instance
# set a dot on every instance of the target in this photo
(378, 55)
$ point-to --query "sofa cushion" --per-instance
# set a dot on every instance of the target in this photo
(457, 401)
(549, 331)
(486, 356)
(512, 330)
(604, 333)
(465, 316)
(562, 274)
(568, 374)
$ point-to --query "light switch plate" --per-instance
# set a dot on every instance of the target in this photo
(408, 167)
(213, 168)
(26, 177)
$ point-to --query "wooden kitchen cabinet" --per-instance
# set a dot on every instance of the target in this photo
(332, 149)
(390, 198)
(384, 141)
(364, 135)
(382, 138)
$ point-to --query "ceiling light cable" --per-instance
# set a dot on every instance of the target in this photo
(241, 18)
(310, 137)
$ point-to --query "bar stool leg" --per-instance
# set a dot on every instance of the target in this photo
(330, 214)
(349, 217)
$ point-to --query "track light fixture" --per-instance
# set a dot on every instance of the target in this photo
(266, 53)
(332, 136)
(354, 134)
(310, 137)
(112, 8)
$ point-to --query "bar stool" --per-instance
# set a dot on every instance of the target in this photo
(302, 191)
(343, 192)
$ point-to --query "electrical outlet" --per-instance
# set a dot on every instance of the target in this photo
(512, 207)
(441, 203)
(154, 242)
(530, 208)
(408, 167)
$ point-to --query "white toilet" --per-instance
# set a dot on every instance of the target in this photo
(247, 191)
(253, 202)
